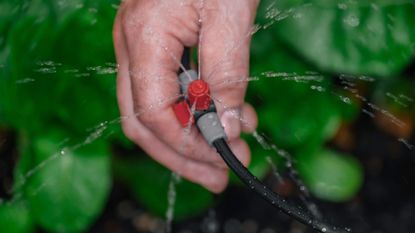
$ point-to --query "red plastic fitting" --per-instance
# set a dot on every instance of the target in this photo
(198, 94)
(183, 113)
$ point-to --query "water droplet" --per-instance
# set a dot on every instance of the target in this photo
(25, 80)
(297, 15)
(346, 100)
(323, 229)
(342, 6)
(351, 20)
(317, 88)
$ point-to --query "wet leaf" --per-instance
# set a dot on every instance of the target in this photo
(69, 190)
(373, 38)
(298, 114)
(52, 83)
(26, 43)
(296, 104)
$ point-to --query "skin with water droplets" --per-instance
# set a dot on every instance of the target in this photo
(155, 48)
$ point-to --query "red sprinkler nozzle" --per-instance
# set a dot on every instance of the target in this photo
(198, 94)
(183, 113)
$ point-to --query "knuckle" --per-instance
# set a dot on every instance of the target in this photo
(184, 150)
(188, 150)
(149, 120)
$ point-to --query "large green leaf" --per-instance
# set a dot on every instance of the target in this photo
(330, 175)
(295, 104)
(38, 74)
(27, 42)
(150, 181)
(359, 37)
(68, 191)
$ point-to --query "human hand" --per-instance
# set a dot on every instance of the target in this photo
(149, 37)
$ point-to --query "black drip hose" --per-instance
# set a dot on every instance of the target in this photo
(276, 200)
(301, 215)
(186, 58)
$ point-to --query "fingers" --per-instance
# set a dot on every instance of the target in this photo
(224, 55)
(249, 119)
(235, 120)
(148, 51)
(212, 177)
(159, 57)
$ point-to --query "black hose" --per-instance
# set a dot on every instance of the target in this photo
(186, 58)
(301, 215)
(276, 200)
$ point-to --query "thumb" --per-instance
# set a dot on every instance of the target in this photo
(224, 56)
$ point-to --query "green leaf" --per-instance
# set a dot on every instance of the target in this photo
(15, 217)
(360, 37)
(42, 51)
(330, 175)
(150, 181)
(27, 42)
(68, 191)
(295, 104)
(297, 114)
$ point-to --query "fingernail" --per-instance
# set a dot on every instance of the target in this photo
(231, 123)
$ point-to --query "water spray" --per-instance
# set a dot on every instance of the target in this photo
(197, 107)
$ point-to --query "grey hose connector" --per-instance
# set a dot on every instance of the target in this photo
(185, 79)
(210, 127)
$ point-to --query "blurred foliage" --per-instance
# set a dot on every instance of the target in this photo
(15, 218)
(76, 180)
(354, 37)
(57, 91)
(330, 175)
(191, 199)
